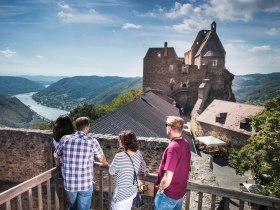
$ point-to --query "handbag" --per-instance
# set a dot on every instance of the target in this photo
(138, 200)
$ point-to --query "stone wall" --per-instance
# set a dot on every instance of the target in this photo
(151, 149)
(231, 137)
(24, 153)
(27, 153)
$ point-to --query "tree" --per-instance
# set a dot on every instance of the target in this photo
(86, 110)
(261, 154)
(95, 111)
(125, 98)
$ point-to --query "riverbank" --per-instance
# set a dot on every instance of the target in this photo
(42, 111)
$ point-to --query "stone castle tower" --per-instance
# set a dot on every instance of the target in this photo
(177, 79)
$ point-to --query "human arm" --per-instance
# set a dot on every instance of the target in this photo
(166, 180)
(113, 167)
(57, 161)
(103, 160)
(171, 159)
(57, 154)
(143, 166)
(99, 152)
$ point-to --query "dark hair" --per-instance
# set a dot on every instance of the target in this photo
(81, 123)
(62, 126)
(128, 140)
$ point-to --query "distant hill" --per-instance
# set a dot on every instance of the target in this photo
(13, 113)
(68, 93)
(256, 88)
(43, 80)
(15, 85)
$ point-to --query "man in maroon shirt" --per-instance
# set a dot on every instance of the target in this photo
(173, 172)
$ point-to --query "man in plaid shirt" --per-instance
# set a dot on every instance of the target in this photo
(77, 153)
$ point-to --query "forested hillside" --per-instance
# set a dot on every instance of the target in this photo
(43, 80)
(13, 113)
(16, 85)
(68, 93)
(256, 88)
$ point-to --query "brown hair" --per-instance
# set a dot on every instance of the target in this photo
(62, 126)
(128, 140)
(176, 123)
(81, 123)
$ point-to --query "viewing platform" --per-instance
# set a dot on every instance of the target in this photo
(45, 191)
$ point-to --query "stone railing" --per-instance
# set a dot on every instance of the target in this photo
(50, 193)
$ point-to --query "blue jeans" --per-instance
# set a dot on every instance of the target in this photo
(162, 202)
(80, 200)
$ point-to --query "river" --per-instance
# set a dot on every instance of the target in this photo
(45, 111)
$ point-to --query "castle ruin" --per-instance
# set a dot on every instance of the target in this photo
(177, 79)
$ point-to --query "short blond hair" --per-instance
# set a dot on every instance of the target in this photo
(176, 123)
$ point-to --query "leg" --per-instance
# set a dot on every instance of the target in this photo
(71, 200)
(179, 204)
(162, 202)
(84, 199)
(124, 204)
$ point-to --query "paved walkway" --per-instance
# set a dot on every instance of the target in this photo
(227, 178)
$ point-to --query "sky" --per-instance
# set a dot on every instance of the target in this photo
(111, 37)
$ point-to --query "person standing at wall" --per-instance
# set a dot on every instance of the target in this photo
(173, 172)
(63, 126)
(123, 166)
(78, 151)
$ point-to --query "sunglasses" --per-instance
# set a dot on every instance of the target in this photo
(166, 124)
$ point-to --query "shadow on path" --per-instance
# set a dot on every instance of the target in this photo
(220, 161)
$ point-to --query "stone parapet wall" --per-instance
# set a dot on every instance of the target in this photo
(151, 149)
(27, 153)
(24, 153)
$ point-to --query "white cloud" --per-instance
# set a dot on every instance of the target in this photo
(180, 10)
(200, 16)
(64, 16)
(262, 48)
(8, 53)
(39, 56)
(239, 10)
(180, 46)
(131, 25)
(65, 6)
(90, 17)
(272, 31)
(191, 25)
(237, 41)
(155, 13)
(73, 15)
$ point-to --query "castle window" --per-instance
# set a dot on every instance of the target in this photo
(196, 43)
(158, 55)
(185, 85)
(170, 67)
(214, 63)
(245, 124)
(221, 117)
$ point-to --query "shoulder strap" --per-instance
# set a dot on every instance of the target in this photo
(135, 175)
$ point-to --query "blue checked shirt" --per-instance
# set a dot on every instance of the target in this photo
(77, 153)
